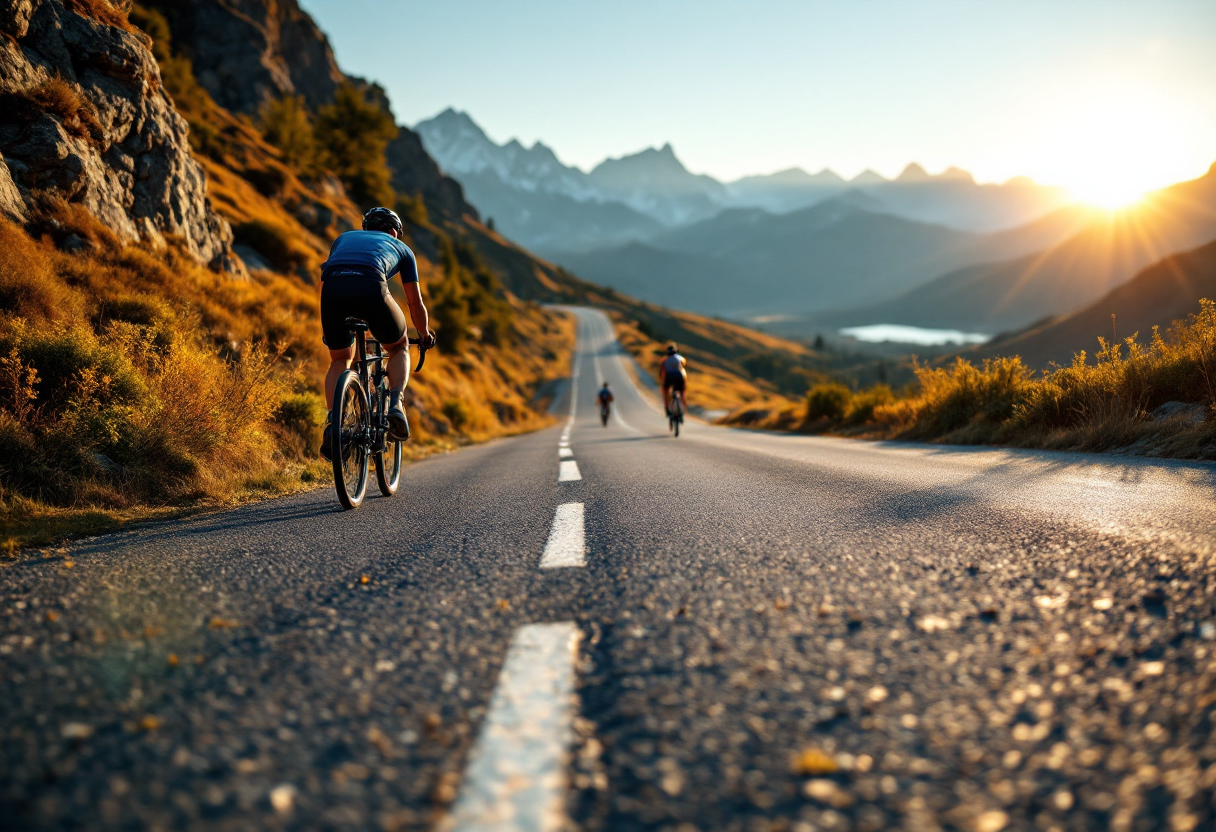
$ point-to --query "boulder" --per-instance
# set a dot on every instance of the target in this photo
(86, 120)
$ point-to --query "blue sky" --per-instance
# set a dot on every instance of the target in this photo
(1060, 91)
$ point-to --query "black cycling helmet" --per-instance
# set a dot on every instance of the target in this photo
(382, 219)
(605, 384)
(671, 349)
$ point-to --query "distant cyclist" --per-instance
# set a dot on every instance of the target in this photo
(354, 284)
(673, 376)
(605, 399)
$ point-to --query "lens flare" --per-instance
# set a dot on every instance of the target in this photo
(1110, 151)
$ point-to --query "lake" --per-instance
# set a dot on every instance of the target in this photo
(921, 336)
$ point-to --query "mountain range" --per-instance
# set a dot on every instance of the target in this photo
(839, 253)
(556, 208)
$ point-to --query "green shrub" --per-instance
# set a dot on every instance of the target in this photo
(829, 400)
(456, 412)
(861, 408)
(303, 414)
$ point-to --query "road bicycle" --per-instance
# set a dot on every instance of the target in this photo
(604, 413)
(360, 422)
(675, 413)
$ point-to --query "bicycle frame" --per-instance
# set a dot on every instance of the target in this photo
(372, 373)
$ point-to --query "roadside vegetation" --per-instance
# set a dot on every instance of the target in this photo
(135, 383)
(1154, 398)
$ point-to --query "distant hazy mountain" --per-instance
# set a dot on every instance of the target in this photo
(951, 198)
(461, 147)
(786, 190)
(1165, 292)
(533, 198)
(836, 254)
(657, 184)
(1106, 251)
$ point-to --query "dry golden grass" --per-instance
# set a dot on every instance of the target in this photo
(55, 97)
(132, 380)
(103, 11)
(1104, 405)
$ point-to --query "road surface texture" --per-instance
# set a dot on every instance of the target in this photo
(728, 630)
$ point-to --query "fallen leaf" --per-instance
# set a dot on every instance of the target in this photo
(52, 616)
(173, 659)
(503, 604)
(812, 761)
(149, 723)
(363, 579)
(221, 624)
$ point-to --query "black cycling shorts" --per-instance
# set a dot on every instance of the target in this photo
(674, 382)
(365, 297)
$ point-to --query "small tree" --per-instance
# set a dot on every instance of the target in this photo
(287, 125)
(353, 134)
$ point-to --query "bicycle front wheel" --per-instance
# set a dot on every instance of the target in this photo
(350, 437)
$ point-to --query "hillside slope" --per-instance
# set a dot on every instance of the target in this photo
(1158, 296)
(1108, 251)
(144, 365)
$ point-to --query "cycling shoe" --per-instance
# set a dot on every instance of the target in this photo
(398, 424)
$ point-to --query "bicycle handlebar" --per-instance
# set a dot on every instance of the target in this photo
(421, 353)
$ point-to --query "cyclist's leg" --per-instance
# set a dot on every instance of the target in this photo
(339, 362)
(335, 308)
(387, 323)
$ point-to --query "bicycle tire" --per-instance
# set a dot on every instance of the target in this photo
(388, 467)
(352, 422)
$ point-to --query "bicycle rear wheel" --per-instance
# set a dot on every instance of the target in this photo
(351, 429)
(388, 467)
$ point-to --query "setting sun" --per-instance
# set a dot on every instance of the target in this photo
(1110, 151)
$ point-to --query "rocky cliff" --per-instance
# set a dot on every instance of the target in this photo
(248, 52)
(85, 120)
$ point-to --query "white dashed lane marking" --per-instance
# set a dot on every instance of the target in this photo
(516, 777)
(565, 452)
(568, 471)
(567, 541)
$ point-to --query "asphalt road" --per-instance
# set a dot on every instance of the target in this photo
(770, 633)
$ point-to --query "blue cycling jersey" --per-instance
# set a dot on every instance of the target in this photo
(371, 250)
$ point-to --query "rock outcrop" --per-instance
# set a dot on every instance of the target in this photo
(247, 52)
(85, 120)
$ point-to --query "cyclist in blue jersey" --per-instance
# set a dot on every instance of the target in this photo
(354, 284)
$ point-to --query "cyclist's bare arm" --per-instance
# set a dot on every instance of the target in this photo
(418, 314)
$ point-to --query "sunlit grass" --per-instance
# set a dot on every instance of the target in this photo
(1102, 404)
